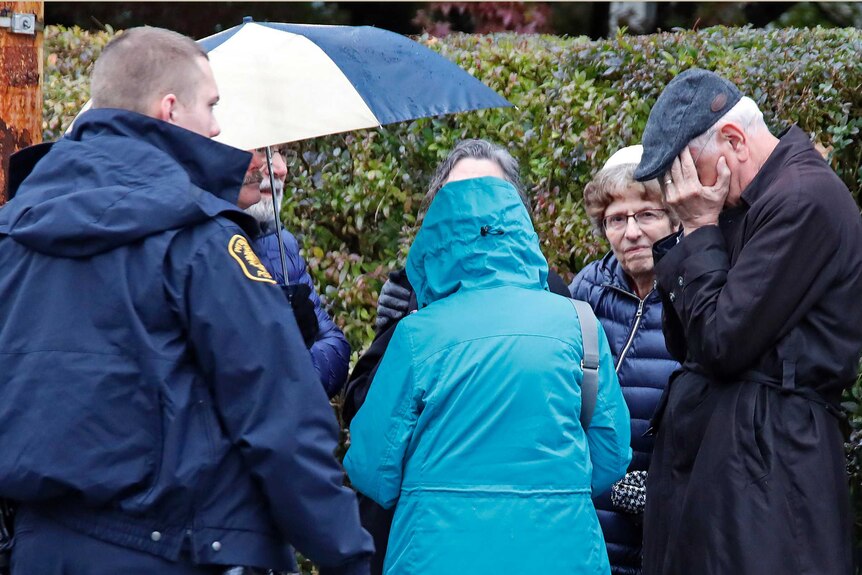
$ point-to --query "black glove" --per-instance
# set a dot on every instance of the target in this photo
(303, 310)
(393, 303)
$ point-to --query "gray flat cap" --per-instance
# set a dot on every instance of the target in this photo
(689, 105)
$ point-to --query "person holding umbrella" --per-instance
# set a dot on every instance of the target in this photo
(160, 411)
(332, 79)
(330, 352)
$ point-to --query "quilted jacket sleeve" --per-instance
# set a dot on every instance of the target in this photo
(330, 352)
(579, 288)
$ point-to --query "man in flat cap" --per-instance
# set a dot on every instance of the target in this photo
(761, 306)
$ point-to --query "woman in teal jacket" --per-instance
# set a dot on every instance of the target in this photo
(471, 425)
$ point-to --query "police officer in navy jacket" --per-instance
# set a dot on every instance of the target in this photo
(160, 411)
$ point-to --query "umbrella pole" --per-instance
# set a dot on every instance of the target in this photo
(275, 209)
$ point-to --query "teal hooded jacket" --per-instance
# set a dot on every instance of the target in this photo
(471, 426)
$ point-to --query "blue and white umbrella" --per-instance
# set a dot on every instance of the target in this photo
(288, 82)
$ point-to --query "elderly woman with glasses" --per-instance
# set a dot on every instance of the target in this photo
(619, 287)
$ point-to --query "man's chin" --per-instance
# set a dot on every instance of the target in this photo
(266, 193)
(261, 211)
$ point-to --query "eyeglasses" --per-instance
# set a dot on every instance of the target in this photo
(643, 218)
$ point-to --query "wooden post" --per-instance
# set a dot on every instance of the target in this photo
(20, 85)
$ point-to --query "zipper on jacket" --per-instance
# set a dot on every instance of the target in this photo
(638, 317)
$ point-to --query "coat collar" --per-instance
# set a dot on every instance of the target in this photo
(792, 142)
(613, 273)
(615, 277)
(210, 165)
(119, 177)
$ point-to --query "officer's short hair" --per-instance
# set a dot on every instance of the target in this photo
(144, 64)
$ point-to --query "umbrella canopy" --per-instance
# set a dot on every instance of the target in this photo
(288, 82)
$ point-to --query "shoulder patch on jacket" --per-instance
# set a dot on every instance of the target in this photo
(241, 251)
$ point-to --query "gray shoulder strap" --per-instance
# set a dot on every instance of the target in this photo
(590, 362)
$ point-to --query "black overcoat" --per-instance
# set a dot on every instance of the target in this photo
(765, 312)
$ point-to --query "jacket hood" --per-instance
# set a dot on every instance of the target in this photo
(118, 177)
(477, 234)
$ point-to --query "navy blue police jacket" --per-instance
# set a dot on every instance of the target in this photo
(155, 392)
(643, 363)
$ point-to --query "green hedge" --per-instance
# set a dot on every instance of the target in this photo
(576, 101)
(355, 195)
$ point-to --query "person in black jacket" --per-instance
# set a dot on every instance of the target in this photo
(619, 287)
(468, 159)
(760, 292)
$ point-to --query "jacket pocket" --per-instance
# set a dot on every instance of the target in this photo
(755, 436)
(204, 418)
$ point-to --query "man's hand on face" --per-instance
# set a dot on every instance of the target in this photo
(695, 204)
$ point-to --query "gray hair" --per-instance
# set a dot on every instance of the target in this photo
(143, 64)
(476, 150)
(744, 113)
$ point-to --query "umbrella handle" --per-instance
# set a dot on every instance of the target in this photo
(276, 217)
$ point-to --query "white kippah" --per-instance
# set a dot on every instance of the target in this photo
(627, 155)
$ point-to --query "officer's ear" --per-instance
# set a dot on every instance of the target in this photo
(166, 108)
